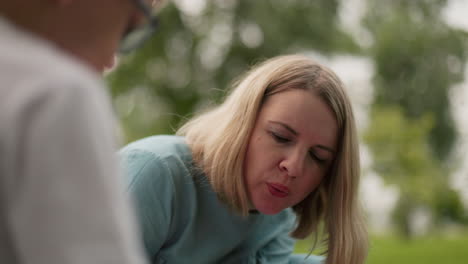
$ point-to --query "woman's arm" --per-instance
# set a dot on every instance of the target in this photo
(151, 190)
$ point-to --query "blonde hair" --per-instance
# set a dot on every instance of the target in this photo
(219, 137)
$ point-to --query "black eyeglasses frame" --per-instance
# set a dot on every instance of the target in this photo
(148, 29)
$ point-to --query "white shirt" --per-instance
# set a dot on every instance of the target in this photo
(61, 195)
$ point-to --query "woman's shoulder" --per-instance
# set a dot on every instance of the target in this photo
(157, 159)
(160, 145)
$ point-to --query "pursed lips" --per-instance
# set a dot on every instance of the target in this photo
(278, 190)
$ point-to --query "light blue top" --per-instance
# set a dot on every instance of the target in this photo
(182, 220)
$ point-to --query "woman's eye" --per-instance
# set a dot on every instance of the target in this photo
(317, 158)
(279, 139)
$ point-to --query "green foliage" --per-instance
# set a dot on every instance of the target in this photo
(400, 148)
(448, 207)
(401, 153)
(192, 59)
(418, 58)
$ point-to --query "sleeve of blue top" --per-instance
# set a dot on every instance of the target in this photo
(276, 251)
(146, 186)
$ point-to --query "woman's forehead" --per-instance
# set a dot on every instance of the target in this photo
(304, 112)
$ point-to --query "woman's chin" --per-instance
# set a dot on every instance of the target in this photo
(269, 210)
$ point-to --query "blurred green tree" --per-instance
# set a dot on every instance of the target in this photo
(403, 158)
(198, 51)
(418, 58)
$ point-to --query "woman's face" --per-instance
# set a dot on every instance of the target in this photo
(291, 148)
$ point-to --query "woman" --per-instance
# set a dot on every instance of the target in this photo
(275, 160)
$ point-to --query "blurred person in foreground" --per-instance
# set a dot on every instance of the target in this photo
(277, 160)
(60, 198)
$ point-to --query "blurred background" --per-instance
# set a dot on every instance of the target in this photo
(404, 65)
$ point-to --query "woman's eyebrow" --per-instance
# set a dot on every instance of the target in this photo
(326, 148)
(290, 129)
(286, 126)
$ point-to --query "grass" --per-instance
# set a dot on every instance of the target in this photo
(434, 249)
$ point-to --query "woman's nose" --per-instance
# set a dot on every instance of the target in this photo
(293, 165)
